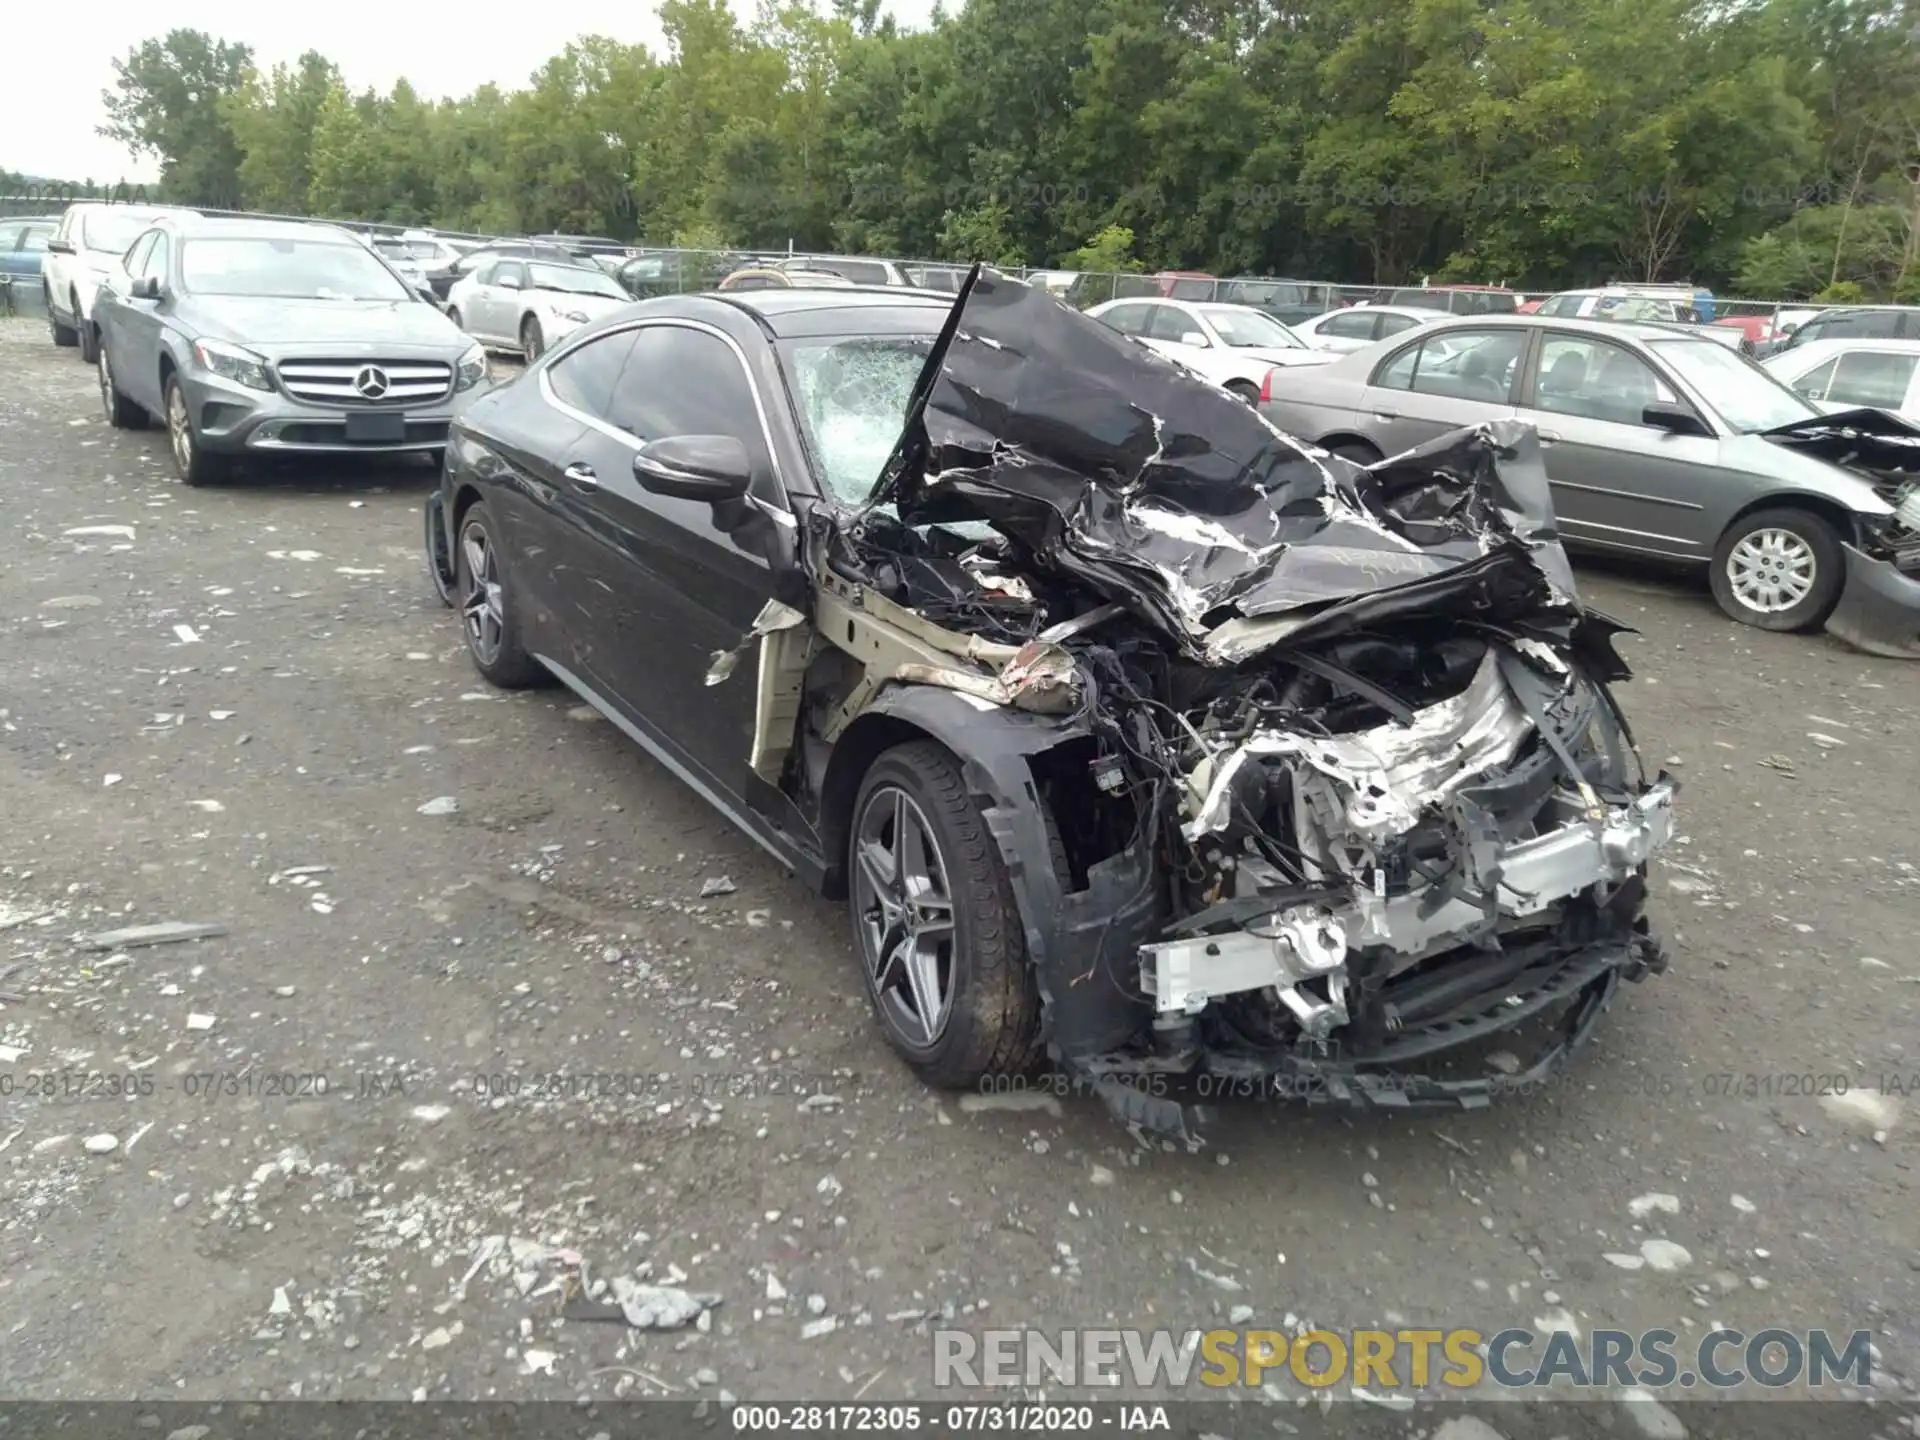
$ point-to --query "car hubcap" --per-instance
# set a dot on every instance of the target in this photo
(1772, 570)
(482, 607)
(178, 428)
(906, 915)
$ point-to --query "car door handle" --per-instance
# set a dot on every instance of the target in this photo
(1386, 414)
(582, 476)
(1549, 437)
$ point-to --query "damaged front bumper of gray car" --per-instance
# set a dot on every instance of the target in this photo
(1308, 779)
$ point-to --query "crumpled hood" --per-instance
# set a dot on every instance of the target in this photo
(1119, 470)
(1872, 439)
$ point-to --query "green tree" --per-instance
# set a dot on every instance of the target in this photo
(169, 100)
(1111, 250)
(272, 119)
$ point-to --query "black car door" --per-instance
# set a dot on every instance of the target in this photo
(675, 586)
(557, 576)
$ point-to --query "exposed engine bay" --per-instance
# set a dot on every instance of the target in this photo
(1305, 773)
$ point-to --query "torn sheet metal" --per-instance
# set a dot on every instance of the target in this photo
(773, 616)
(1117, 469)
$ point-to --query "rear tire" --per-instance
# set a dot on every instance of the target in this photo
(532, 342)
(942, 947)
(121, 412)
(1779, 570)
(1245, 389)
(489, 611)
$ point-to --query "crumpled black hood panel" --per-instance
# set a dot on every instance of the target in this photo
(1119, 469)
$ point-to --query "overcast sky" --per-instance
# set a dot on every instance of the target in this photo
(49, 109)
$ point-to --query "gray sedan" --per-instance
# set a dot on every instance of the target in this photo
(1662, 444)
(252, 337)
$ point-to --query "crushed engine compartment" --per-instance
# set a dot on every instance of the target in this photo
(1307, 773)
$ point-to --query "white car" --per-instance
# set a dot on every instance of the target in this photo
(1234, 346)
(1850, 374)
(84, 250)
(526, 305)
(1358, 326)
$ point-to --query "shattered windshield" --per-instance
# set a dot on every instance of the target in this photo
(1241, 326)
(851, 395)
(574, 282)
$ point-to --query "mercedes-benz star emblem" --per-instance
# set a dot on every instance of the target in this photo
(371, 382)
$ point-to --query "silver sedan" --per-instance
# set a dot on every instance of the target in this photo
(1663, 444)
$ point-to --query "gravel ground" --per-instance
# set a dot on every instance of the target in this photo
(206, 693)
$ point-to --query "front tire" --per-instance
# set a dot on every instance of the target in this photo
(532, 342)
(489, 613)
(1779, 570)
(942, 948)
(121, 412)
(195, 465)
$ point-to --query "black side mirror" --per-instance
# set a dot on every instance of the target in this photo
(145, 287)
(1674, 419)
(694, 467)
(60, 247)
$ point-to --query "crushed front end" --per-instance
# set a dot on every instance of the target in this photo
(1309, 778)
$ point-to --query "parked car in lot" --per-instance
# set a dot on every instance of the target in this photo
(23, 245)
(1661, 443)
(526, 305)
(856, 269)
(443, 278)
(1648, 306)
(1847, 374)
(1355, 327)
(83, 250)
(1456, 299)
(257, 337)
(773, 277)
(1852, 322)
(1288, 301)
(1234, 346)
(1099, 778)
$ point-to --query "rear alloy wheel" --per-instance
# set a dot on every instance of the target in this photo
(89, 337)
(942, 948)
(532, 342)
(1779, 570)
(487, 612)
(195, 465)
(121, 412)
(1246, 390)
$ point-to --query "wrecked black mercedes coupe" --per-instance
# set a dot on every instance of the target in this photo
(1134, 733)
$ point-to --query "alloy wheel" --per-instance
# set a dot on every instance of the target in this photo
(482, 608)
(1772, 570)
(905, 909)
(180, 429)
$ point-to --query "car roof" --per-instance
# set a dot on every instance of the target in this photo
(1823, 348)
(1612, 329)
(821, 312)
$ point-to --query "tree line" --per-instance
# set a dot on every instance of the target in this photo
(1768, 148)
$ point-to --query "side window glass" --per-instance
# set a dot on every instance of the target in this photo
(154, 262)
(1169, 323)
(137, 256)
(585, 378)
(1596, 380)
(681, 381)
(36, 237)
(10, 238)
(1868, 377)
(1814, 383)
(1397, 373)
(1477, 365)
(1394, 324)
(1354, 325)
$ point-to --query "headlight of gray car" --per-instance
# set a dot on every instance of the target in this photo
(230, 362)
(472, 369)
